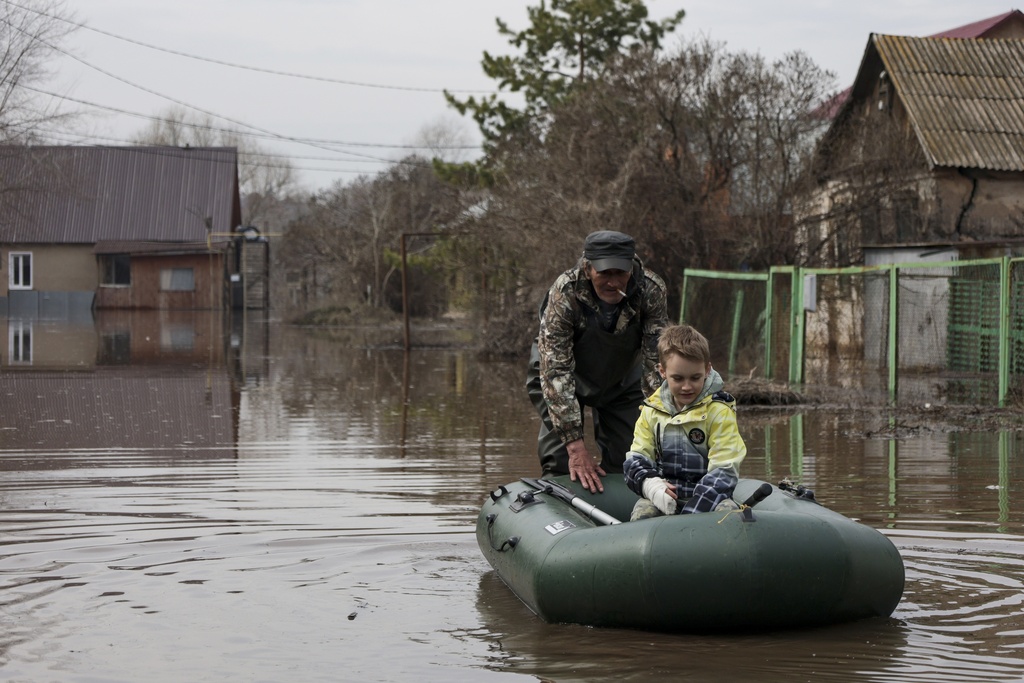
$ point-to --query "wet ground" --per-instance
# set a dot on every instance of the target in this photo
(277, 504)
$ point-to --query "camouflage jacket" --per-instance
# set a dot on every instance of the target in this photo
(563, 318)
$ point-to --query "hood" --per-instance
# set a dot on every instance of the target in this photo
(663, 399)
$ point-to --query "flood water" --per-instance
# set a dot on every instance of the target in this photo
(182, 500)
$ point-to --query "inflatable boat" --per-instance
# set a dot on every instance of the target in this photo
(781, 561)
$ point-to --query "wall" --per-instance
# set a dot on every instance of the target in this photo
(55, 268)
(63, 282)
(145, 290)
(994, 204)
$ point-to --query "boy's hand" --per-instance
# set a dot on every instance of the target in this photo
(661, 493)
(582, 467)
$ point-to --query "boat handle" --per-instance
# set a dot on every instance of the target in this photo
(511, 542)
(504, 492)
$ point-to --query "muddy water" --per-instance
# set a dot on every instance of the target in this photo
(269, 504)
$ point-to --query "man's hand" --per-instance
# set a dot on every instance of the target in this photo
(582, 467)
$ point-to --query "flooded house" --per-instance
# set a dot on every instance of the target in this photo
(928, 151)
(85, 228)
(923, 163)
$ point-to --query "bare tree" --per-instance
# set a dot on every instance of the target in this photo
(446, 139)
(871, 185)
(699, 154)
(30, 33)
(352, 234)
(264, 180)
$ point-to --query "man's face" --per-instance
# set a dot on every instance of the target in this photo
(610, 285)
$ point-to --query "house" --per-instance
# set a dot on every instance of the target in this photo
(924, 163)
(116, 227)
(1007, 25)
(927, 151)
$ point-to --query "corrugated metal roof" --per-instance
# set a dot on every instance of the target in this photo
(992, 26)
(84, 195)
(965, 98)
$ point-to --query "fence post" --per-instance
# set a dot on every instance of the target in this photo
(1004, 329)
(737, 317)
(894, 358)
(768, 322)
(796, 329)
(682, 299)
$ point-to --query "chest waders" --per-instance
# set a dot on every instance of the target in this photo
(607, 377)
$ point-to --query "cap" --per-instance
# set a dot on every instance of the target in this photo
(607, 249)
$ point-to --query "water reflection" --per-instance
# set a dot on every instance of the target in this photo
(146, 381)
(255, 501)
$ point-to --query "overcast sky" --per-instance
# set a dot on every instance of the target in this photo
(366, 75)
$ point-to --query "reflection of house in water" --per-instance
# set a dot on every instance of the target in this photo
(143, 381)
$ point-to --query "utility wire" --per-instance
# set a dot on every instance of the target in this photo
(62, 136)
(61, 139)
(270, 133)
(244, 66)
(234, 131)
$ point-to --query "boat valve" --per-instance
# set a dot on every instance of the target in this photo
(524, 500)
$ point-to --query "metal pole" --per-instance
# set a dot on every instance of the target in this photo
(405, 296)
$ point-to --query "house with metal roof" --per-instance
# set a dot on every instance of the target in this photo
(928, 150)
(117, 227)
(1006, 25)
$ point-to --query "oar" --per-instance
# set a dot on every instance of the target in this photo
(556, 490)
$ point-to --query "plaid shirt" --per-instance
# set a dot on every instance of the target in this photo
(698, 449)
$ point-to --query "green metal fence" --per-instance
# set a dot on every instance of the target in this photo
(949, 330)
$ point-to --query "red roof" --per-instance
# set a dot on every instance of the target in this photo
(977, 29)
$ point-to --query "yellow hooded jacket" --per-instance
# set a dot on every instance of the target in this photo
(698, 448)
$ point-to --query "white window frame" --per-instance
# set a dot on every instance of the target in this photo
(15, 268)
(19, 344)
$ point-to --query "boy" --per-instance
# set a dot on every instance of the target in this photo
(686, 446)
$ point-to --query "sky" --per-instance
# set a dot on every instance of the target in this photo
(346, 87)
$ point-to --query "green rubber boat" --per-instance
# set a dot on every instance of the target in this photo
(785, 561)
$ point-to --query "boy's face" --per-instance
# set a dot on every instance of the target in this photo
(685, 377)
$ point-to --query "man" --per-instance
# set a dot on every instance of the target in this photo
(597, 347)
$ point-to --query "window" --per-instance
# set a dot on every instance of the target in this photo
(177, 280)
(177, 338)
(21, 270)
(115, 348)
(117, 270)
(19, 342)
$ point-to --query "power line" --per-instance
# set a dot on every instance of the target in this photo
(220, 129)
(271, 134)
(54, 137)
(87, 138)
(244, 66)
